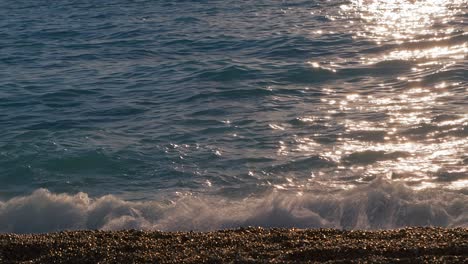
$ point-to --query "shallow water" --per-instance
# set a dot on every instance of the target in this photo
(214, 114)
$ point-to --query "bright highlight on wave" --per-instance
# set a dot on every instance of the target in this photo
(428, 56)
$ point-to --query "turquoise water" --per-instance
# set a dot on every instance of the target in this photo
(179, 115)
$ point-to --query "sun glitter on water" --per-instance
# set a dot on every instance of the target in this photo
(404, 20)
(409, 22)
(421, 144)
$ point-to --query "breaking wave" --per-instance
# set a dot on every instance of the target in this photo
(379, 205)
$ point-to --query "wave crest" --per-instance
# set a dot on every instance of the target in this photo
(378, 205)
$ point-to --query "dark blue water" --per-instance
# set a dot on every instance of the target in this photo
(179, 115)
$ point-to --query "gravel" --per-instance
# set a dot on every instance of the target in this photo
(244, 245)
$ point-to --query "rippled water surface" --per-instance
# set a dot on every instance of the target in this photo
(211, 114)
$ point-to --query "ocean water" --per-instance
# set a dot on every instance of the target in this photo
(200, 115)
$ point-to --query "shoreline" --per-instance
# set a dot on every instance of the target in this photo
(243, 245)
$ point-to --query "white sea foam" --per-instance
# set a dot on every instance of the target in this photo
(381, 204)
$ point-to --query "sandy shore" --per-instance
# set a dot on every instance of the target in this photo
(246, 245)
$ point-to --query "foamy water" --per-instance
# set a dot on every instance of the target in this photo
(189, 115)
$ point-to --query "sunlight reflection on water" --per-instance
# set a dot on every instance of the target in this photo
(403, 20)
(423, 137)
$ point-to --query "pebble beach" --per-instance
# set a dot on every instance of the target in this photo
(244, 245)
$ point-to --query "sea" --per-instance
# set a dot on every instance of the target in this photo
(215, 114)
